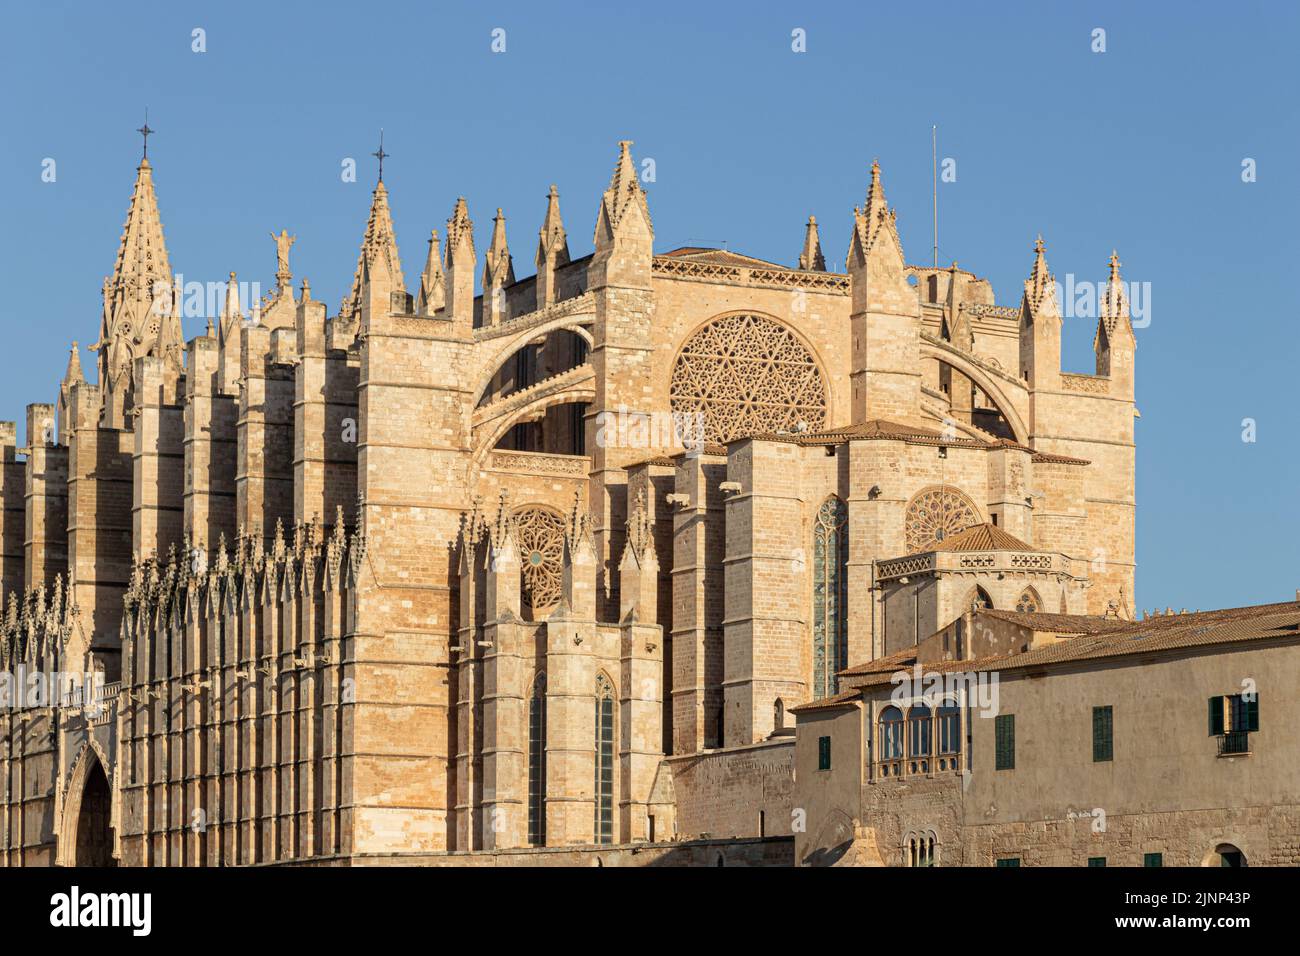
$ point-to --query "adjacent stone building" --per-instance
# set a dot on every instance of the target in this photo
(1036, 739)
(491, 563)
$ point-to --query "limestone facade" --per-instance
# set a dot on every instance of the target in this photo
(497, 562)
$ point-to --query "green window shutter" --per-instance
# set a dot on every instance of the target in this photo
(1153, 859)
(1252, 713)
(1096, 861)
(823, 753)
(1103, 739)
(1005, 738)
(1009, 861)
(1216, 716)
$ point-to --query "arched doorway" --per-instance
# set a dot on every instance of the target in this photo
(94, 834)
(1225, 854)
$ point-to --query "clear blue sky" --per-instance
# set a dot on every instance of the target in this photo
(1138, 148)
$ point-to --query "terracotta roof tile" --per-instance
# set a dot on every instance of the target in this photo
(721, 257)
(1224, 628)
(981, 537)
(1059, 623)
(1059, 459)
(888, 663)
(877, 429)
(826, 703)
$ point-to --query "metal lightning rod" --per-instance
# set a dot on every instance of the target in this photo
(934, 159)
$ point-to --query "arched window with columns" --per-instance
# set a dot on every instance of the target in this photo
(890, 741)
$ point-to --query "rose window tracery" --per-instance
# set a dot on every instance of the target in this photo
(935, 514)
(747, 375)
(540, 533)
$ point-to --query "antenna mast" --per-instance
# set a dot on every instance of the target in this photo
(934, 159)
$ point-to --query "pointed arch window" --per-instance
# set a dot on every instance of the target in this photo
(604, 760)
(1029, 602)
(537, 763)
(979, 598)
(830, 595)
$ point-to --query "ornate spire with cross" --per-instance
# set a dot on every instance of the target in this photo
(146, 132)
(380, 155)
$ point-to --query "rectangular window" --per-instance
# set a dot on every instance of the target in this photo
(537, 764)
(1233, 719)
(823, 753)
(1004, 729)
(605, 769)
(1096, 861)
(1009, 861)
(1153, 859)
(1103, 745)
(949, 730)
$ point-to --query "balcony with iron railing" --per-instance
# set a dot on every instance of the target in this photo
(1234, 743)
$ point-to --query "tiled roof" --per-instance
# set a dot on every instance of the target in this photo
(826, 703)
(982, 537)
(1042, 455)
(721, 257)
(1059, 459)
(888, 663)
(877, 429)
(660, 460)
(1172, 632)
(1059, 623)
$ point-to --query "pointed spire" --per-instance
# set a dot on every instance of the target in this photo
(1114, 342)
(552, 250)
(142, 252)
(875, 218)
(460, 235)
(140, 305)
(458, 262)
(1114, 302)
(876, 204)
(231, 314)
(1040, 287)
(74, 375)
(378, 249)
(811, 259)
(552, 241)
(432, 286)
(498, 267)
(624, 194)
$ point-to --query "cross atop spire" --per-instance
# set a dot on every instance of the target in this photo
(1114, 264)
(380, 155)
(146, 132)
